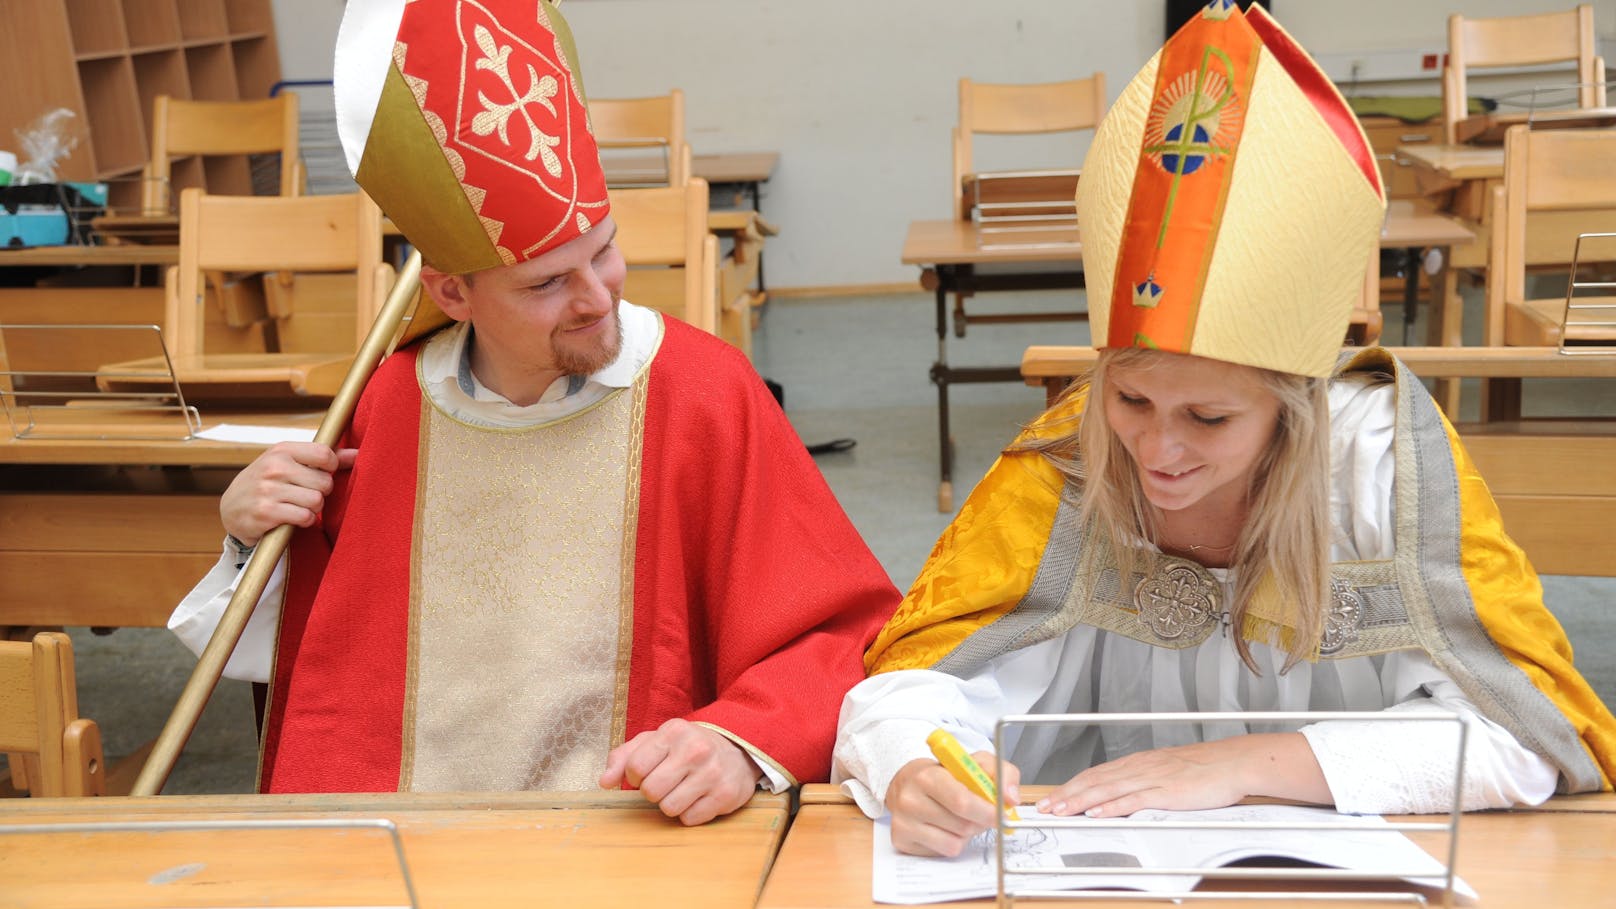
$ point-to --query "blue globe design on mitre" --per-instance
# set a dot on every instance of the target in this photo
(1195, 118)
(1193, 159)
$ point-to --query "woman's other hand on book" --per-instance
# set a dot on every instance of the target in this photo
(935, 814)
(1188, 777)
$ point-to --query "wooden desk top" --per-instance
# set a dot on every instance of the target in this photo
(1408, 224)
(122, 254)
(1490, 128)
(1457, 162)
(154, 452)
(609, 849)
(960, 242)
(734, 167)
(1555, 857)
(1041, 362)
(954, 242)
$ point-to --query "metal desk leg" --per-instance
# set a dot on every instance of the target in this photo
(1411, 288)
(757, 206)
(939, 377)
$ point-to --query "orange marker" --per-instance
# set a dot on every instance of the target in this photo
(961, 766)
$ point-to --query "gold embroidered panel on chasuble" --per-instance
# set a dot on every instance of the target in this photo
(521, 604)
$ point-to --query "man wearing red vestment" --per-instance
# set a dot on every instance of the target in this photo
(566, 542)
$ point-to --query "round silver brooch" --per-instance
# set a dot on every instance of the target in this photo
(1177, 603)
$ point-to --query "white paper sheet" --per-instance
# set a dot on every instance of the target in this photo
(256, 435)
(912, 879)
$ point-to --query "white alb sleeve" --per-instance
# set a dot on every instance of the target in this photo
(199, 613)
(885, 719)
(1408, 767)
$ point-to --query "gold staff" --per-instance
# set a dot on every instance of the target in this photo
(205, 678)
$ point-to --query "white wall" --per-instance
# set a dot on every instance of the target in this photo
(859, 96)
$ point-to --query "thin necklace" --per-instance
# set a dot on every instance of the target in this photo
(1197, 548)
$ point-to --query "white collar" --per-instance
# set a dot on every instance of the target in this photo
(446, 373)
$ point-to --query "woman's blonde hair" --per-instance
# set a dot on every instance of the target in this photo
(1283, 550)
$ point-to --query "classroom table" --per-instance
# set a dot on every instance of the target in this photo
(1414, 228)
(73, 256)
(110, 532)
(602, 850)
(1458, 180)
(1557, 855)
(1054, 366)
(951, 254)
(745, 171)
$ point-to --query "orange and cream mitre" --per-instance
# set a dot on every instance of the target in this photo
(1230, 204)
(465, 121)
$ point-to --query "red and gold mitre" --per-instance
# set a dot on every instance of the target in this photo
(465, 121)
(1230, 202)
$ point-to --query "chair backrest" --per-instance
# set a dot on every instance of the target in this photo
(209, 128)
(51, 749)
(1005, 109)
(1557, 184)
(672, 257)
(655, 123)
(1563, 37)
(325, 278)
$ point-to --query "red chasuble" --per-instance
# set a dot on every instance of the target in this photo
(751, 603)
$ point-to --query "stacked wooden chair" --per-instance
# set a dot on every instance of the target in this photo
(648, 195)
(1544, 38)
(271, 297)
(50, 749)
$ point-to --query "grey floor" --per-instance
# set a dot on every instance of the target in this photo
(853, 367)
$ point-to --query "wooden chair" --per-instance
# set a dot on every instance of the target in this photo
(672, 258)
(1557, 184)
(212, 128)
(1050, 107)
(657, 122)
(1024, 205)
(1365, 324)
(50, 749)
(322, 285)
(1564, 37)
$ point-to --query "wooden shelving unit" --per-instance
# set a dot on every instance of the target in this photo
(107, 59)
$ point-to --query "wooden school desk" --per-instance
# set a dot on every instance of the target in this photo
(1415, 228)
(745, 172)
(70, 256)
(1458, 180)
(1556, 856)
(113, 532)
(601, 850)
(949, 253)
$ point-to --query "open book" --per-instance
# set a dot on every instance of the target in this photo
(913, 879)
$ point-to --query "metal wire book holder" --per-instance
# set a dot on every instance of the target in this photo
(1588, 325)
(1264, 878)
(185, 859)
(1560, 100)
(52, 385)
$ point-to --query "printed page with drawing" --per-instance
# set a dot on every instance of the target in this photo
(912, 879)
